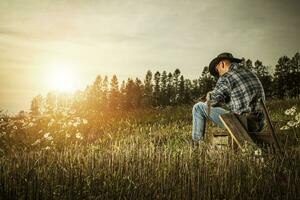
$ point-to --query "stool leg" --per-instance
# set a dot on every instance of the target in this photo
(271, 127)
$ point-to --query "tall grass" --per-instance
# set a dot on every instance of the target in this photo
(141, 157)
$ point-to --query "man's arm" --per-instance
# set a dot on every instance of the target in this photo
(221, 92)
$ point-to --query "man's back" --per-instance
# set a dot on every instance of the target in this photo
(239, 88)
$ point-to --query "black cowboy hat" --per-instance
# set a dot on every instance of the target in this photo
(222, 56)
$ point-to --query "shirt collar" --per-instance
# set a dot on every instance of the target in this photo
(233, 66)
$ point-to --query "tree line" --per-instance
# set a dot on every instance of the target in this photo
(164, 88)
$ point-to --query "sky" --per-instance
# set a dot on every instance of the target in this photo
(41, 38)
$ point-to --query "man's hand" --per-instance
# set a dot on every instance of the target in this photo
(208, 96)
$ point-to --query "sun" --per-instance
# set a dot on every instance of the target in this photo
(62, 77)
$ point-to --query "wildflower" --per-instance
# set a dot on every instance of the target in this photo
(46, 135)
(258, 152)
(78, 136)
(50, 123)
(285, 127)
(47, 148)
(297, 117)
(36, 142)
(287, 112)
(84, 121)
(68, 135)
(291, 123)
(30, 124)
(15, 127)
(49, 138)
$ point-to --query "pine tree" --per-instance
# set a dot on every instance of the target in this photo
(104, 96)
(51, 102)
(138, 92)
(164, 89)
(295, 76)
(129, 94)
(176, 85)
(170, 90)
(123, 95)
(265, 78)
(36, 105)
(147, 97)
(114, 94)
(281, 77)
(248, 64)
(187, 92)
(156, 93)
(181, 90)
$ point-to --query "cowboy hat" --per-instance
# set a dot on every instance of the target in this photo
(222, 56)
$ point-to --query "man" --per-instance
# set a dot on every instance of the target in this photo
(238, 88)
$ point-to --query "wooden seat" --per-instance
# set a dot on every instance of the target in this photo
(236, 126)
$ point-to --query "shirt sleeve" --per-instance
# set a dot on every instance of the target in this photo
(221, 92)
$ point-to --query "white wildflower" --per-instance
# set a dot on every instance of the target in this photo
(36, 142)
(291, 123)
(285, 127)
(297, 117)
(49, 138)
(50, 124)
(258, 152)
(287, 112)
(76, 124)
(30, 124)
(78, 136)
(84, 121)
(68, 135)
(15, 127)
(46, 135)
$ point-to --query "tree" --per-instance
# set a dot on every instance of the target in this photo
(114, 94)
(156, 93)
(170, 89)
(147, 97)
(248, 64)
(36, 105)
(295, 76)
(50, 102)
(181, 90)
(105, 92)
(264, 76)
(163, 89)
(206, 82)
(129, 94)
(281, 73)
(138, 92)
(176, 85)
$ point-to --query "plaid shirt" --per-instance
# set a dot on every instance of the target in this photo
(239, 89)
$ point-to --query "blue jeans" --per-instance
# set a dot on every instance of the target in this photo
(200, 116)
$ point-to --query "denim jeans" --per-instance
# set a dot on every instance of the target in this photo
(200, 116)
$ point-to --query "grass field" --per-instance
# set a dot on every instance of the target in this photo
(143, 154)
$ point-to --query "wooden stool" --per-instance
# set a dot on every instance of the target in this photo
(238, 131)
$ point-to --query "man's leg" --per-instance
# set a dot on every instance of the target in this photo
(200, 116)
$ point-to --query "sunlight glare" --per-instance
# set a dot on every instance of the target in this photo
(62, 77)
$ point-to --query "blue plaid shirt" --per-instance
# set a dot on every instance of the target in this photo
(239, 89)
